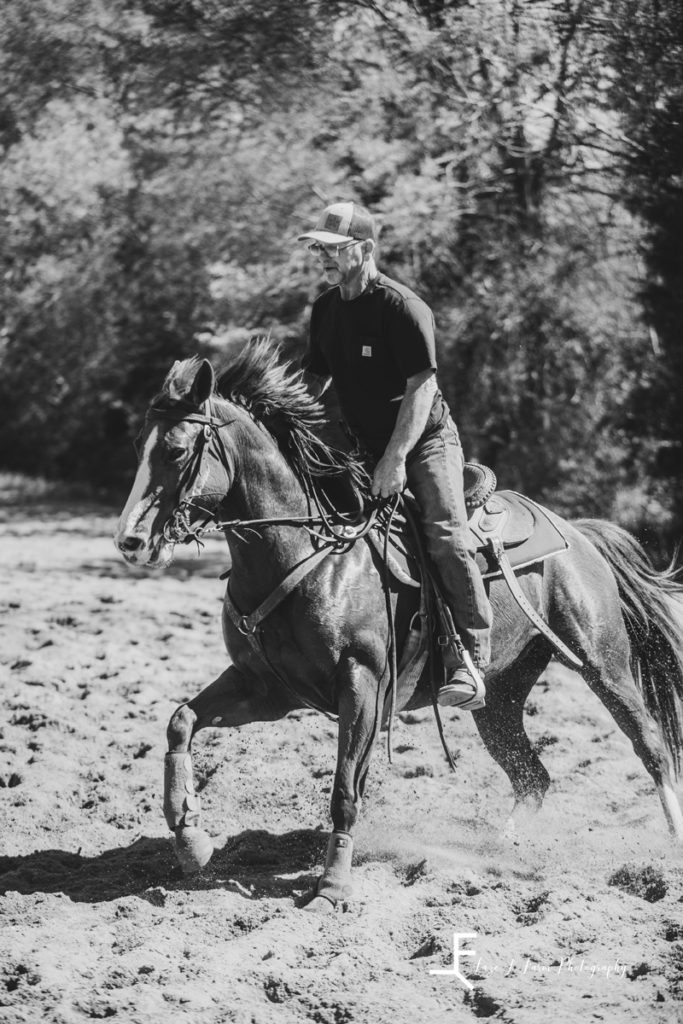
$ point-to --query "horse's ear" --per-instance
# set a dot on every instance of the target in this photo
(203, 383)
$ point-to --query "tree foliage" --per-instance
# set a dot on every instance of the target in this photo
(160, 156)
(647, 55)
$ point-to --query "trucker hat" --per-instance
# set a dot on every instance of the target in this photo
(342, 222)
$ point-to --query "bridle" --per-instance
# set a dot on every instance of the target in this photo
(325, 525)
(179, 526)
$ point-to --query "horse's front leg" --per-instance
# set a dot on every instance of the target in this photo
(360, 712)
(232, 699)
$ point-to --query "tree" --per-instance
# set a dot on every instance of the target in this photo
(488, 138)
(647, 53)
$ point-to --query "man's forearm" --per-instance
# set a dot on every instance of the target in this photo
(412, 415)
(390, 473)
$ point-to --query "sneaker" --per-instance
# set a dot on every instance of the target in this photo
(462, 690)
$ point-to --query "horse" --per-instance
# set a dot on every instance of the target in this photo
(246, 449)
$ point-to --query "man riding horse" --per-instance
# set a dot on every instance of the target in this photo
(374, 339)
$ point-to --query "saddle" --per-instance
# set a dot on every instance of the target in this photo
(506, 519)
(509, 531)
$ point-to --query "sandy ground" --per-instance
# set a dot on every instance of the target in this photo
(581, 920)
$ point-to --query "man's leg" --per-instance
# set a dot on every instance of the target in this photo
(435, 477)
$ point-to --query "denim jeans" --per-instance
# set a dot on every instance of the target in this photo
(435, 476)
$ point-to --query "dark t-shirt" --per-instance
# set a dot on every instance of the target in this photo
(370, 346)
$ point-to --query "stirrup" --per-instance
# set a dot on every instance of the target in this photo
(466, 690)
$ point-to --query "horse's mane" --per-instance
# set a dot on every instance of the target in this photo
(273, 391)
(260, 380)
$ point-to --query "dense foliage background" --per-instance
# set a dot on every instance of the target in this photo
(159, 157)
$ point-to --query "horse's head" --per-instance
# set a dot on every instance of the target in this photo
(271, 460)
(184, 469)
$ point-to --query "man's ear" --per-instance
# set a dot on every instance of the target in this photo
(368, 247)
(203, 384)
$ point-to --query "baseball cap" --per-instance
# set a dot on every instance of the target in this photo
(342, 222)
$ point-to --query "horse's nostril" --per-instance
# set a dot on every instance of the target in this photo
(131, 543)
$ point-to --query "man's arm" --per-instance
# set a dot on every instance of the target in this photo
(390, 472)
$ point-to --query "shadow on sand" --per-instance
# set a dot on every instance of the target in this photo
(212, 565)
(255, 861)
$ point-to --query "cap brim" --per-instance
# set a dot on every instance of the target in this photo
(326, 237)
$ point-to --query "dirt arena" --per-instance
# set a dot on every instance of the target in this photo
(581, 920)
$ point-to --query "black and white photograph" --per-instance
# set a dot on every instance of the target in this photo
(341, 511)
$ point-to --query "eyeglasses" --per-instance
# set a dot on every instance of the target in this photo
(331, 250)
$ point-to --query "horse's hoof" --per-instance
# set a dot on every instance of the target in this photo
(320, 905)
(522, 823)
(193, 848)
(509, 832)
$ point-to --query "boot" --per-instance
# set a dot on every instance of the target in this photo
(463, 688)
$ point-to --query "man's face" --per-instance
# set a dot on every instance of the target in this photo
(342, 264)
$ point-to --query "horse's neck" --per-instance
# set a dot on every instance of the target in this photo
(265, 488)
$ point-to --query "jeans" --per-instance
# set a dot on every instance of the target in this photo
(434, 470)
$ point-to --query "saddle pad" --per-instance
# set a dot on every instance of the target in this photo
(528, 534)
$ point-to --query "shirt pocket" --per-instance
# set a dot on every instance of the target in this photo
(375, 369)
(366, 362)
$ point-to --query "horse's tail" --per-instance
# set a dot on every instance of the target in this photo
(652, 606)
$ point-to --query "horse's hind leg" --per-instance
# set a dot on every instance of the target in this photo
(230, 700)
(501, 727)
(614, 684)
(586, 611)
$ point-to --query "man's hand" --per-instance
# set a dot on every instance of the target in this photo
(389, 476)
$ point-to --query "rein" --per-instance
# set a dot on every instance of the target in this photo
(340, 528)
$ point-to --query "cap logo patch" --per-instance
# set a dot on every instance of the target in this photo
(333, 223)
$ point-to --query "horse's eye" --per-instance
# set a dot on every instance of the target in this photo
(176, 454)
